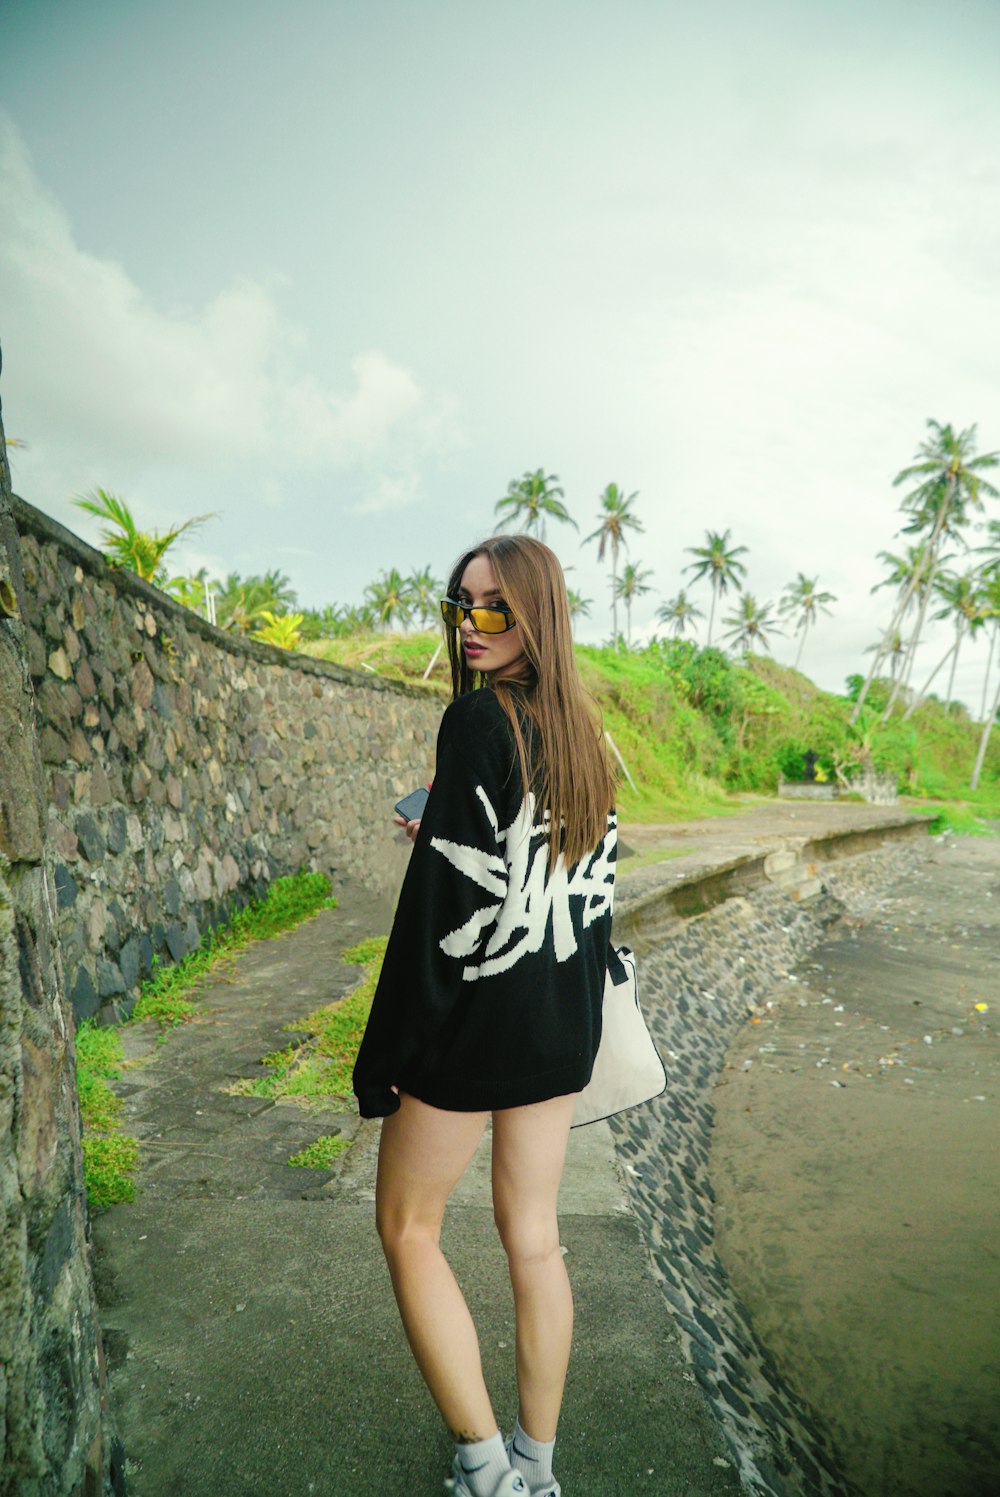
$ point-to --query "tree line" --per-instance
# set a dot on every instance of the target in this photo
(939, 574)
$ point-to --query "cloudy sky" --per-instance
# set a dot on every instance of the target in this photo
(340, 269)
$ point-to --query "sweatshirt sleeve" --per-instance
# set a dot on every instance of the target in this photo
(451, 896)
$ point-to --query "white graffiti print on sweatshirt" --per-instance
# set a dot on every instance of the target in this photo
(529, 894)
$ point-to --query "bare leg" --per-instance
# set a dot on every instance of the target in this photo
(423, 1154)
(529, 1151)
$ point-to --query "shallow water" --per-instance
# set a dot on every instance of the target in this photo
(855, 1162)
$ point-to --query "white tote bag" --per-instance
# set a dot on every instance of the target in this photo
(628, 1069)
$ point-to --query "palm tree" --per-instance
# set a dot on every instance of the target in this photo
(801, 598)
(631, 585)
(893, 651)
(190, 591)
(391, 597)
(579, 606)
(426, 591)
(951, 483)
(357, 618)
(616, 517)
(717, 561)
(991, 596)
(530, 499)
(242, 601)
(964, 601)
(991, 612)
(907, 573)
(750, 624)
(322, 623)
(140, 551)
(679, 612)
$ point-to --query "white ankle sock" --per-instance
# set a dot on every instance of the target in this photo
(531, 1457)
(483, 1464)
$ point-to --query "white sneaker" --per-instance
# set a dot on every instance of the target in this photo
(512, 1484)
(550, 1489)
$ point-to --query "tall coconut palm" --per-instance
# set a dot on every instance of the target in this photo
(679, 612)
(893, 652)
(426, 593)
(750, 624)
(140, 551)
(907, 573)
(531, 499)
(964, 601)
(631, 585)
(991, 597)
(616, 518)
(803, 601)
(951, 484)
(391, 598)
(719, 562)
(579, 606)
(991, 614)
(962, 597)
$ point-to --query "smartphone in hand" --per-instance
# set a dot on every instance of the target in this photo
(411, 807)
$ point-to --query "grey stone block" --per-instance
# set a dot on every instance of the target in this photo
(66, 889)
(91, 839)
(109, 979)
(84, 995)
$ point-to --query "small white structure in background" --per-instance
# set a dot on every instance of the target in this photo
(876, 789)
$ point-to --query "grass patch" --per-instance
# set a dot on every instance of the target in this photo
(321, 1154)
(958, 819)
(164, 997)
(110, 1157)
(320, 1066)
(396, 657)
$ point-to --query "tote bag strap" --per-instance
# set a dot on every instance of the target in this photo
(617, 970)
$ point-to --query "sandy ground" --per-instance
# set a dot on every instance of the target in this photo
(855, 1159)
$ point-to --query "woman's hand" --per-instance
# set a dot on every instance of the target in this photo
(410, 827)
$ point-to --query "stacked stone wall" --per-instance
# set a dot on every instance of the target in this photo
(186, 767)
(55, 1437)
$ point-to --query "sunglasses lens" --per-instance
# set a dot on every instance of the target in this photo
(489, 620)
(451, 613)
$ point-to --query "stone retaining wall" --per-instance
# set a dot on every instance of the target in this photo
(187, 767)
(55, 1437)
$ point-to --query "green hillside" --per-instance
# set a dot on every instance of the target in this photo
(697, 729)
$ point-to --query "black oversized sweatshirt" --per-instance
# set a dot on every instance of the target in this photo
(491, 990)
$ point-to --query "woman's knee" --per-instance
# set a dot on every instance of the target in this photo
(527, 1240)
(399, 1230)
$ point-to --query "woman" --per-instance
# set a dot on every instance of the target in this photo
(490, 996)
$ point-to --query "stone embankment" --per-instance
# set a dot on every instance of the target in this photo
(55, 1437)
(714, 933)
(187, 767)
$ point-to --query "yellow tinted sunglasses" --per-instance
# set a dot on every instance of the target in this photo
(484, 620)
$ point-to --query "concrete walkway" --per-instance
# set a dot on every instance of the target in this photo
(251, 1334)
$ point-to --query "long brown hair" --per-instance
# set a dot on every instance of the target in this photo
(568, 770)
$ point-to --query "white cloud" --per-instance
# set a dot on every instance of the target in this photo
(93, 368)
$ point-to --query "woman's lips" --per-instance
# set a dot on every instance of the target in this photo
(471, 649)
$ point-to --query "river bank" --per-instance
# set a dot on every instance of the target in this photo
(853, 1161)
